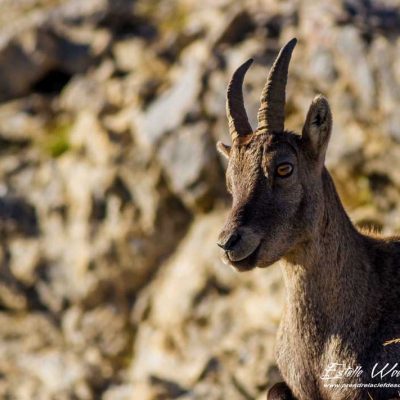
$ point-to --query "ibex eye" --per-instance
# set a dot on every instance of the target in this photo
(284, 170)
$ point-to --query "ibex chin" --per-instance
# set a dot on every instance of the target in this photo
(342, 286)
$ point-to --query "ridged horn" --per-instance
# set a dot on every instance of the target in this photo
(237, 117)
(271, 115)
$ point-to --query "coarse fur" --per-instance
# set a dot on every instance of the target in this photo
(342, 285)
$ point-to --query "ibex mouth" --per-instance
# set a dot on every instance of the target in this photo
(245, 262)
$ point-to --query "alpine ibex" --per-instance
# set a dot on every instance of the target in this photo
(342, 285)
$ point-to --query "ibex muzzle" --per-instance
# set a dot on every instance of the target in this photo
(240, 246)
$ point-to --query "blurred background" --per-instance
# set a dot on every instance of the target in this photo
(112, 193)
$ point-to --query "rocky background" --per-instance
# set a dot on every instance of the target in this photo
(112, 193)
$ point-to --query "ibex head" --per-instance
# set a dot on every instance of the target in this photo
(274, 176)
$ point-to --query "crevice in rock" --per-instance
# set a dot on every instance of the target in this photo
(52, 82)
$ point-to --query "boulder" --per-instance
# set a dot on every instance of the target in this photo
(188, 158)
(171, 108)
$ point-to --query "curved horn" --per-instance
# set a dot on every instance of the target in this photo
(237, 117)
(271, 115)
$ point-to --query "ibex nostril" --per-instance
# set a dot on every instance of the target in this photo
(230, 242)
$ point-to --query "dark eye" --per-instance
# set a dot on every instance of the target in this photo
(284, 170)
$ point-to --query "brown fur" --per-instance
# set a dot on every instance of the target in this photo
(343, 286)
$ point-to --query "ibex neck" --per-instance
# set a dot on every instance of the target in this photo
(327, 276)
(333, 240)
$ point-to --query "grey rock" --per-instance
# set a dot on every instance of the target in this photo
(17, 216)
(236, 29)
(129, 54)
(24, 259)
(170, 109)
(353, 63)
(189, 161)
(322, 66)
(22, 120)
(83, 93)
(18, 70)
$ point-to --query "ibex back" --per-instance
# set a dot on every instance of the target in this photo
(342, 286)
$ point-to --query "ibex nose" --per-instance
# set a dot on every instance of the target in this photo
(227, 242)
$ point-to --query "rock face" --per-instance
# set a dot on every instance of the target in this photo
(112, 193)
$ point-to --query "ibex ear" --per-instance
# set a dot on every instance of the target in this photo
(224, 149)
(318, 126)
